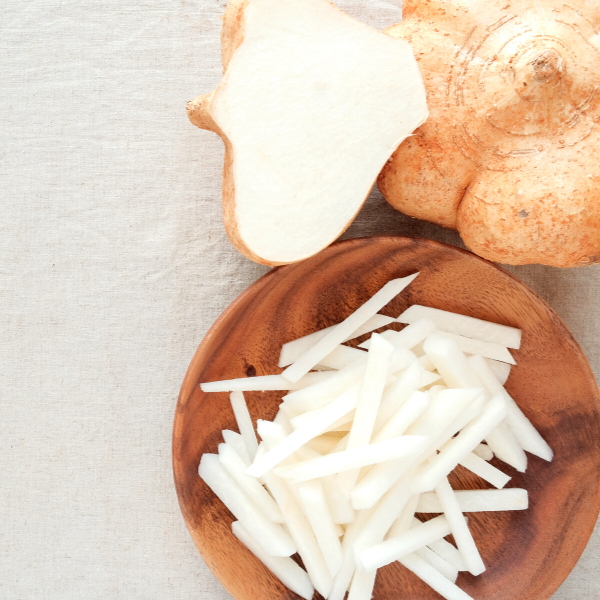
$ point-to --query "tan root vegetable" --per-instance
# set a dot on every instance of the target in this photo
(508, 155)
(311, 106)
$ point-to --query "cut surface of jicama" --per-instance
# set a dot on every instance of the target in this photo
(292, 110)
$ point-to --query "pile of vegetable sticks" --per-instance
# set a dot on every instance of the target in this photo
(366, 438)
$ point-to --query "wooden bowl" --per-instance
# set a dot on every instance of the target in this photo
(528, 553)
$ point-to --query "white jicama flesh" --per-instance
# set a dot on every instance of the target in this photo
(463, 325)
(235, 466)
(296, 348)
(370, 443)
(285, 569)
(292, 108)
(323, 347)
(478, 501)
(242, 416)
(272, 537)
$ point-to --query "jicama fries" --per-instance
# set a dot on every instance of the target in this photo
(369, 443)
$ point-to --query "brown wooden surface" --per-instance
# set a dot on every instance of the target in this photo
(528, 553)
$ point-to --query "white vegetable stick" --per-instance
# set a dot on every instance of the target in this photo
(406, 517)
(483, 451)
(355, 458)
(322, 393)
(341, 357)
(282, 420)
(460, 530)
(382, 519)
(399, 392)
(290, 351)
(450, 362)
(397, 547)
(428, 378)
(362, 585)
(458, 448)
(272, 537)
(270, 432)
(427, 363)
(371, 390)
(436, 389)
(484, 470)
(316, 509)
(500, 369)
(438, 563)
(463, 325)
(262, 383)
(526, 434)
(339, 504)
(332, 412)
(236, 441)
(301, 533)
(409, 337)
(486, 349)
(449, 553)
(323, 347)
(448, 407)
(285, 569)
(433, 578)
(235, 466)
(478, 501)
(342, 580)
(505, 446)
(262, 450)
(413, 408)
(323, 444)
(388, 335)
(244, 422)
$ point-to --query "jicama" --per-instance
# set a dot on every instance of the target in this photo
(366, 443)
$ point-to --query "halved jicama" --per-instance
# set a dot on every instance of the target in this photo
(292, 110)
(244, 422)
(321, 349)
(272, 537)
(478, 501)
(294, 349)
(464, 325)
(285, 569)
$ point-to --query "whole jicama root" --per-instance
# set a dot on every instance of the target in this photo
(508, 155)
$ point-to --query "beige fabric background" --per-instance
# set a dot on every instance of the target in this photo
(114, 264)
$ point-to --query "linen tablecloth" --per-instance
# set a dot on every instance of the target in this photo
(114, 264)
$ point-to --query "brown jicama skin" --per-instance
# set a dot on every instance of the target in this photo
(509, 155)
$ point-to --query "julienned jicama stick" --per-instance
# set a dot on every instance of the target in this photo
(478, 501)
(483, 469)
(484, 349)
(461, 446)
(272, 537)
(302, 534)
(290, 351)
(235, 466)
(400, 447)
(433, 578)
(483, 451)
(242, 416)
(312, 356)
(395, 548)
(236, 441)
(437, 562)
(263, 383)
(526, 434)
(285, 569)
(460, 529)
(341, 357)
(500, 369)
(369, 397)
(332, 412)
(464, 325)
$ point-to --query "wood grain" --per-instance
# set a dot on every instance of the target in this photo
(528, 553)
